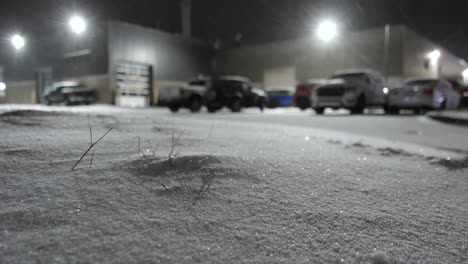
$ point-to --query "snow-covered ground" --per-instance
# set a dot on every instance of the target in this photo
(255, 192)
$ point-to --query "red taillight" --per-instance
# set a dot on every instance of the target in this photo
(429, 91)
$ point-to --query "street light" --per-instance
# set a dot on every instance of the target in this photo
(433, 62)
(465, 74)
(327, 30)
(77, 24)
(434, 56)
(17, 41)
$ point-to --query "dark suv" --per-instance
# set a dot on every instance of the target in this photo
(235, 93)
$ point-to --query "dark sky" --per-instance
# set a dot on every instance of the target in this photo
(444, 21)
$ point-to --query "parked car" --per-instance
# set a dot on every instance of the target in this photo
(423, 94)
(233, 92)
(303, 93)
(280, 98)
(2, 92)
(190, 96)
(69, 93)
(463, 91)
(350, 89)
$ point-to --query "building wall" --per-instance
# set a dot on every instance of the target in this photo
(416, 49)
(313, 59)
(21, 92)
(66, 55)
(173, 57)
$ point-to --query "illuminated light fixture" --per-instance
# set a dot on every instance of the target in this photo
(77, 24)
(327, 30)
(434, 55)
(17, 41)
(2, 86)
(465, 74)
(385, 90)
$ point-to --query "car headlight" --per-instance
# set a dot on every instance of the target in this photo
(385, 90)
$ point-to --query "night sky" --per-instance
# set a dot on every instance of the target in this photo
(445, 22)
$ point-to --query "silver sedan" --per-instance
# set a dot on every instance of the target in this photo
(423, 94)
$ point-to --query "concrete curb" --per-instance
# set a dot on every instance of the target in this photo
(449, 119)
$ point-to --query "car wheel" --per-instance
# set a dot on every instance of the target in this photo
(262, 104)
(211, 109)
(195, 105)
(303, 104)
(236, 106)
(360, 106)
(420, 111)
(174, 108)
(443, 105)
(392, 110)
(319, 111)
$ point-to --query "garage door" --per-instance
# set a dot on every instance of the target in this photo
(134, 83)
(279, 78)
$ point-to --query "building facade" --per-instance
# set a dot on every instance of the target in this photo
(121, 60)
(106, 60)
(396, 52)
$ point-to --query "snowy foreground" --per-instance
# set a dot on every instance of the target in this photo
(229, 193)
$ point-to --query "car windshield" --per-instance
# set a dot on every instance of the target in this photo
(349, 76)
(233, 131)
(303, 87)
(421, 82)
(198, 83)
(282, 93)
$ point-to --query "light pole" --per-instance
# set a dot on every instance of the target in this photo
(387, 52)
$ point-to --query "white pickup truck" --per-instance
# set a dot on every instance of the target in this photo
(350, 89)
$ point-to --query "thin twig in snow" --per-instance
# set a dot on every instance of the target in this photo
(90, 134)
(91, 161)
(174, 143)
(90, 147)
(139, 148)
(165, 187)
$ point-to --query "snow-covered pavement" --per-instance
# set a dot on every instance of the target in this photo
(283, 187)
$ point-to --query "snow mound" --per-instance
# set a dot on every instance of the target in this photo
(29, 118)
(187, 165)
(453, 164)
(189, 177)
(29, 113)
(380, 258)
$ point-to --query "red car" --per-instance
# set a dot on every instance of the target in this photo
(303, 92)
